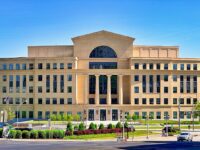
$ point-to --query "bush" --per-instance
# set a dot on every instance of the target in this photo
(55, 134)
(61, 134)
(1, 133)
(34, 134)
(92, 126)
(49, 134)
(101, 126)
(126, 124)
(76, 127)
(68, 133)
(41, 134)
(18, 134)
(12, 134)
(25, 134)
(110, 126)
(119, 125)
(81, 127)
(69, 127)
(53, 117)
(59, 117)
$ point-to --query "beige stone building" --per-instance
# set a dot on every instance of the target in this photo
(98, 77)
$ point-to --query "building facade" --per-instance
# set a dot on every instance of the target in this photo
(100, 76)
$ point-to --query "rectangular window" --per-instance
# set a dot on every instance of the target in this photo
(174, 89)
(4, 66)
(48, 66)
(158, 115)
(30, 100)
(158, 101)
(30, 89)
(39, 114)
(4, 78)
(17, 66)
(4, 89)
(175, 101)
(114, 115)
(17, 101)
(39, 77)
(62, 83)
(144, 115)
(182, 67)
(151, 115)
(136, 101)
(136, 66)
(40, 66)
(31, 78)
(23, 114)
(144, 66)
(54, 101)
(47, 83)
(54, 65)
(175, 116)
(174, 66)
(39, 89)
(69, 100)
(195, 67)
(165, 101)
(144, 83)
(47, 101)
(151, 101)
(54, 83)
(166, 90)
(194, 101)
(188, 84)
(10, 66)
(91, 101)
(151, 81)
(23, 66)
(165, 66)
(31, 116)
(195, 84)
(158, 66)
(174, 78)
(136, 78)
(181, 84)
(158, 83)
(181, 101)
(144, 101)
(62, 101)
(69, 89)
(151, 66)
(39, 100)
(165, 78)
(188, 66)
(188, 101)
(69, 77)
(31, 66)
(47, 114)
(61, 65)
(11, 83)
(69, 66)
(136, 89)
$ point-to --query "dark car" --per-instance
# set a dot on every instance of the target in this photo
(169, 129)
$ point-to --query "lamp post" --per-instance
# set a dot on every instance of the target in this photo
(147, 121)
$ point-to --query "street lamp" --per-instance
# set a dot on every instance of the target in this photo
(18, 110)
(147, 122)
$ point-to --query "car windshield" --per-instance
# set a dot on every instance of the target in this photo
(184, 133)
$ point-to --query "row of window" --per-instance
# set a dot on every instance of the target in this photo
(47, 101)
(31, 78)
(157, 66)
(157, 101)
(31, 66)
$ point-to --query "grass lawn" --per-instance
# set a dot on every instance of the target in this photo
(107, 136)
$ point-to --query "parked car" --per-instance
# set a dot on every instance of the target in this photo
(2, 124)
(185, 136)
(168, 129)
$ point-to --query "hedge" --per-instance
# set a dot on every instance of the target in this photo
(18, 134)
(12, 134)
(1, 133)
(25, 134)
(34, 134)
(49, 134)
(41, 134)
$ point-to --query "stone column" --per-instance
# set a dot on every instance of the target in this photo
(109, 89)
(86, 89)
(97, 90)
(120, 89)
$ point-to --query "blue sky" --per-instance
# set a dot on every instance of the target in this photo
(55, 22)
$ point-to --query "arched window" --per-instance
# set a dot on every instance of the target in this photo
(103, 52)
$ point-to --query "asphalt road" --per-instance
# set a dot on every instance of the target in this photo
(20, 145)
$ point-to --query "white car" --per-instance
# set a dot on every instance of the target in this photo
(185, 136)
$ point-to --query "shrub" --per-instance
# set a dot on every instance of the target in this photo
(53, 117)
(110, 126)
(1, 133)
(126, 124)
(119, 125)
(41, 134)
(12, 134)
(59, 117)
(18, 134)
(68, 133)
(81, 127)
(101, 126)
(76, 127)
(69, 127)
(49, 134)
(25, 134)
(61, 134)
(34, 134)
(76, 117)
(55, 134)
(92, 126)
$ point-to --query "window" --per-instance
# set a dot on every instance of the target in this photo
(151, 66)
(175, 115)
(62, 101)
(144, 66)
(47, 114)
(91, 101)
(158, 101)
(31, 89)
(40, 66)
(144, 101)
(195, 67)
(54, 65)
(48, 66)
(69, 89)
(151, 115)
(31, 78)
(61, 65)
(114, 114)
(39, 100)
(144, 115)
(136, 66)
(54, 101)
(69, 100)
(174, 66)
(174, 78)
(17, 67)
(103, 52)
(17, 100)
(182, 101)
(39, 89)
(136, 78)
(194, 101)
(23, 66)
(165, 78)
(136, 89)
(165, 66)
(39, 114)
(136, 101)
(69, 66)
(69, 77)
(47, 101)
(174, 101)
(4, 78)
(31, 114)
(158, 115)
(4, 67)
(39, 77)
(188, 66)
(151, 101)
(158, 66)
(165, 101)
(23, 114)
(114, 101)
(30, 100)
(188, 101)
(165, 89)
(174, 89)
(31, 66)
(4, 89)
(182, 67)
(10, 66)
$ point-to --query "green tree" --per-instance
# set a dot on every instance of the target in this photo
(69, 117)
(53, 117)
(128, 117)
(197, 110)
(59, 117)
(64, 117)
(76, 117)
(10, 114)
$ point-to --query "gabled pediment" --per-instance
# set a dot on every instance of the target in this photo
(102, 33)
